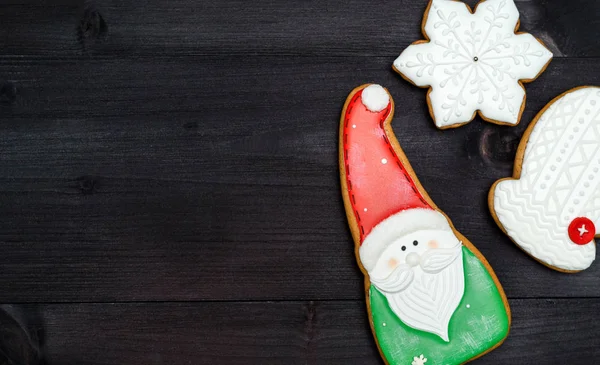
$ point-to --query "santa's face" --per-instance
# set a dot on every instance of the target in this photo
(421, 275)
(409, 250)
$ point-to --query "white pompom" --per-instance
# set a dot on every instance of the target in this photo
(375, 98)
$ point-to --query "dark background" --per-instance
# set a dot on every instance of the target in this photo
(169, 189)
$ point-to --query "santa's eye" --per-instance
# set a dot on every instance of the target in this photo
(403, 248)
(415, 243)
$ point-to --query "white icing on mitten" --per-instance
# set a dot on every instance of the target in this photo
(552, 210)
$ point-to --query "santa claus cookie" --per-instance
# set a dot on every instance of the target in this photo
(551, 206)
(432, 297)
(473, 62)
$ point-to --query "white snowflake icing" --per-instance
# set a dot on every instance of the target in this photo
(473, 61)
(421, 360)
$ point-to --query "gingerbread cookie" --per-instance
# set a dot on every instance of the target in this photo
(551, 206)
(431, 295)
(473, 62)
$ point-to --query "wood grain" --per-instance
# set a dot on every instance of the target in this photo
(169, 189)
(117, 29)
(117, 187)
(314, 332)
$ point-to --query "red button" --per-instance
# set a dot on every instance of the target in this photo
(582, 231)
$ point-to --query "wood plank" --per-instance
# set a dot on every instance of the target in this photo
(114, 28)
(144, 185)
(161, 160)
(265, 90)
(327, 333)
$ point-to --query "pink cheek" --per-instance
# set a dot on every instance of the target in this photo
(392, 263)
(433, 244)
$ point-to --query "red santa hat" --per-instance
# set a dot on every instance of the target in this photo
(385, 200)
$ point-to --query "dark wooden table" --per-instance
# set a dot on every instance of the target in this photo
(169, 190)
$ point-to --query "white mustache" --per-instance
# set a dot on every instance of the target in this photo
(397, 280)
(432, 262)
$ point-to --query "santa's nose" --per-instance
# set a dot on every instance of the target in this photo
(413, 259)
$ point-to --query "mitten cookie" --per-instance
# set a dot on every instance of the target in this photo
(431, 296)
(551, 206)
(473, 62)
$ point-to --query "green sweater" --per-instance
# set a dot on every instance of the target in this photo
(479, 323)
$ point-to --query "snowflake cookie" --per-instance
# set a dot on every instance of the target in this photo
(473, 61)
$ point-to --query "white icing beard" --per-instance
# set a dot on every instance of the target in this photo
(426, 286)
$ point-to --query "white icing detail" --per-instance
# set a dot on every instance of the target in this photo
(468, 305)
(398, 280)
(420, 360)
(365, 209)
(375, 98)
(537, 219)
(384, 324)
(398, 225)
(582, 230)
(353, 125)
(383, 161)
(434, 261)
(473, 61)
